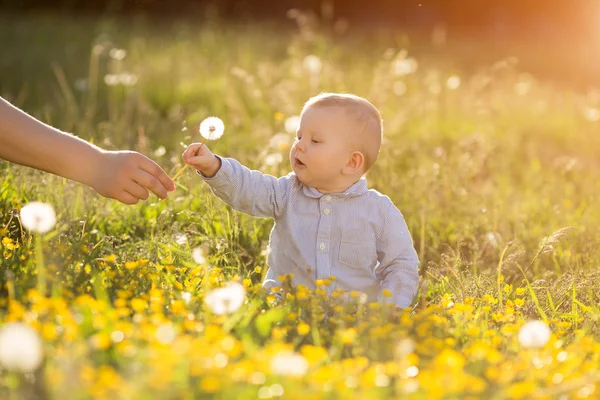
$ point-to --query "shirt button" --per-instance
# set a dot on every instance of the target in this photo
(326, 211)
(322, 246)
(328, 198)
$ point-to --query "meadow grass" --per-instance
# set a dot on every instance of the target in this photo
(495, 171)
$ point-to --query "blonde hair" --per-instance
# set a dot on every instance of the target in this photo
(368, 136)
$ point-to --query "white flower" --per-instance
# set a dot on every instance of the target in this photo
(20, 347)
(165, 333)
(404, 66)
(127, 79)
(273, 159)
(198, 256)
(181, 239)
(280, 141)
(117, 54)
(161, 151)
(312, 64)
(226, 299)
(592, 114)
(453, 82)
(111, 79)
(212, 128)
(289, 363)
(187, 297)
(291, 124)
(38, 217)
(534, 334)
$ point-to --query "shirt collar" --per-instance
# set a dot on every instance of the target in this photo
(357, 189)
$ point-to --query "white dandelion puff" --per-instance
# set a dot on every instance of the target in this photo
(312, 64)
(399, 88)
(227, 299)
(181, 239)
(198, 256)
(111, 79)
(161, 151)
(187, 297)
(212, 128)
(117, 54)
(280, 141)
(404, 66)
(592, 114)
(289, 363)
(38, 217)
(165, 333)
(534, 334)
(453, 82)
(291, 124)
(273, 159)
(20, 348)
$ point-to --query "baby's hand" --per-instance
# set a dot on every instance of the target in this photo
(201, 158)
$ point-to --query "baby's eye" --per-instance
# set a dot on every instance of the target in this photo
(315, 141)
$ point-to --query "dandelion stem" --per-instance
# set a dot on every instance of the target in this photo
(187, 165)
(41, 268)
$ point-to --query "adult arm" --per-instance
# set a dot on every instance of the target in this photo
(122, 175)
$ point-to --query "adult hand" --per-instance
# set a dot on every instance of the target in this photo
(127, 176)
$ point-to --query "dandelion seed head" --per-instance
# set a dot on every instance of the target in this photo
(404, 66)
(117, 54)
(212, 128)
(399, 88)
(534, 334)
(227, 299)
(38, 217)
(20, 348)
(181, 239)
(187, 297)
(111, 79)
(312, 64)
(274, 159)
(165, 333)
(289, 363)
(161, 151)
(592, 114)
(453, 82)
(291, 124)
(198, 256)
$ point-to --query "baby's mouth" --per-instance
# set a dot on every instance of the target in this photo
(299, 163)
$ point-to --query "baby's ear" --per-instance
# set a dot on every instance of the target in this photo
(355, 163)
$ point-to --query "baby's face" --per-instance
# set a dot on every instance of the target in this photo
(321, 149)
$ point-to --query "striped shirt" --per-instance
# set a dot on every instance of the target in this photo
(358, 236)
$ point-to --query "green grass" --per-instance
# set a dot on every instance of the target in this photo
(484, 176)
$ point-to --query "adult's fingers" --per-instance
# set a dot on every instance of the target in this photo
(149, 181)
(136, 190)
(126, 198)
(157, 172)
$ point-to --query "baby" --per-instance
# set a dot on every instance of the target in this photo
(327, 222)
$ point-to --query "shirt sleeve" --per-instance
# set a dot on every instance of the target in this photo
(398, 269)
(249, 191)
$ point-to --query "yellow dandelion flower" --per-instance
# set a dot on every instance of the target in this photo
(303, 329)
(131, 265)
(349, 335)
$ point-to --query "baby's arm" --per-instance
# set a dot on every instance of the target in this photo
(248, 191)
(398, 260)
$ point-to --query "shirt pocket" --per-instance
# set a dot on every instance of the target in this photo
(357, 249)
